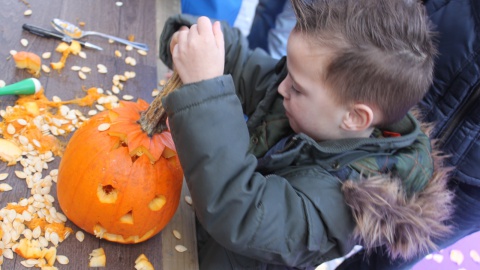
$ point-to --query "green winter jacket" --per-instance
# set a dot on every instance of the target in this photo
(304, 202)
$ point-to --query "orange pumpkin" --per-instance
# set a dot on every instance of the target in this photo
(118, 182)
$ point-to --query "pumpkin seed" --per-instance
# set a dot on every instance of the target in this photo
(142, 52)
(5, 187)
(128, 48)
(86, 69)
(27, 12)
(13, 52)
(127, 97)
(188, 199)
(22, 122)
(61, 259)
(45, 69)
(115, 89)
(11, 129)
(82, 75)
(155, 92)
(8, 253)
(3, 176)
(46, 55)
(80, 236)
(102, 68)
(24, 42)
(177, 234)
(82, 54)
(118, 53)
(180, 248)
(20, 174)
(104, 126)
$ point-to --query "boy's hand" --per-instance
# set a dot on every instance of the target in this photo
(198, 53)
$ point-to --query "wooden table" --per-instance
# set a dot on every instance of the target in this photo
(144, 20)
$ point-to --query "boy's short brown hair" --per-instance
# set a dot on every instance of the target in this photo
(383, 50)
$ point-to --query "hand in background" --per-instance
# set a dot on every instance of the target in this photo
(198, 53)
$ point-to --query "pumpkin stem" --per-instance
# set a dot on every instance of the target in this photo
(154, 119)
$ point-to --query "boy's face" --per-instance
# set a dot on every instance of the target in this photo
(310, 107)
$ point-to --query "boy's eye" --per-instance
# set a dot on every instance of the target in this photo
(295, 90)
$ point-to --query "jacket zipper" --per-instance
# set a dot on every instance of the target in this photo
(453, 123)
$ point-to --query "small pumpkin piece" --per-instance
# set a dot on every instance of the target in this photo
(29, 61)
(9, 152)
(29, 249)
(97, 258)
(50, 255)
(142, 263)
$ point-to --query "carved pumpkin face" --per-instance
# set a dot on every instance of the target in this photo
(117, 182)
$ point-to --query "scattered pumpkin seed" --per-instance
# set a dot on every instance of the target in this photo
(155, 92)
(177, 234)
(142, 52)
(11, 129)
(45, 69)
(27, 12)
(82, 75)
(104, 126)
(180, 248)
(24, 42)
(80, 236)
(3, 176)
(127, 97)
(62, 259)
(188, 199)
(86, 69)
(128, 48)
(5, 187)
(46, 55)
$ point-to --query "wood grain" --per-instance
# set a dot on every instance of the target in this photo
(143, 19)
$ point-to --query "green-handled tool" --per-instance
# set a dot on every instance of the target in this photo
(28, 86)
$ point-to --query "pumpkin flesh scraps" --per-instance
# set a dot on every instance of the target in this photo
(107, 179)
(37, 111)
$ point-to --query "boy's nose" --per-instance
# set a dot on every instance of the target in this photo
(282, 88)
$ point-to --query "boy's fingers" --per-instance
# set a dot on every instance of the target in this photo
(174, 39)
(204, 25)
(217, 32)
(182, 38)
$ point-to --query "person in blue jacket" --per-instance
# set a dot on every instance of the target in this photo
(224, 10)
(452, 104)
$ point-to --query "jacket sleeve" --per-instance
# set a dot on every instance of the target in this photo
(252, 71)
(258, 216)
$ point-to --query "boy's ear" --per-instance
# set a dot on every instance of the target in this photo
(358, 118)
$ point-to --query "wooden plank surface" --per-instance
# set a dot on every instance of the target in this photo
(144, 20)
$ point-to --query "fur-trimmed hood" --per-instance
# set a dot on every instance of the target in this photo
(390, 214)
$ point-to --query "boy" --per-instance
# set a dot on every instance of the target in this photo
(329, 156)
